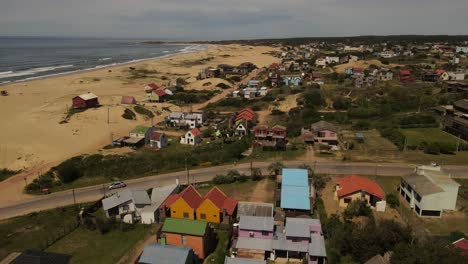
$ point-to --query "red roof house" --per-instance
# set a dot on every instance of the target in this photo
(355, 187)
(184, 204)
(405, 76)
(462, 244)
(195, 131)
(216, 207)
(439, 72)
(84, 101)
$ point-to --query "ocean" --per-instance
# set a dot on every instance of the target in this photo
(26, 58)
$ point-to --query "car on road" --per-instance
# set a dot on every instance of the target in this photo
(116, 185)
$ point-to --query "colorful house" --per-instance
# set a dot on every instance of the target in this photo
(84, 101)
(189, 233)
(270, 137)
(216, 207)
(295, 192)
(256, 227)
(354, 187)
(191, 137)
(184, 204)
(292, 80)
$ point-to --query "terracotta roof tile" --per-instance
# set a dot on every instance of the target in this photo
(221, 201)
(355, 183)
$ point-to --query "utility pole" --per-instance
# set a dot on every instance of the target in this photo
(108, 110)
(25, 181)
(406, 143)
(458, 143)
(74, 198)
(186, 169)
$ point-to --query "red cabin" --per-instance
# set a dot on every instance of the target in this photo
(85, 101)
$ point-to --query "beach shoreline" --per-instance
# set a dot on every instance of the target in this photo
(33, 135)
(112, 65)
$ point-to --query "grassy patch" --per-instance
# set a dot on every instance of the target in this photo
(34, 230)
(6, 173)
(143, 111)
(242, 188)
(416, 136)
(97, 169)
(219, 254)
(234, 104)
(88, 246)
(192, 96)
(288, 154)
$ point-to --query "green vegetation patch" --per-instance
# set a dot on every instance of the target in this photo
(192, 96)
(6, 173)
(89, 246)
(143, 111)
(129, 114)
(36, 230)
(220, 252)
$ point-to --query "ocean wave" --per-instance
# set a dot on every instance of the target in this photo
(31, 71)
(165, 51)
(105, 59)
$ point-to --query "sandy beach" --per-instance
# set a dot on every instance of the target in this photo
(32, 137)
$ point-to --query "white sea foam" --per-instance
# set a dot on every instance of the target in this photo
(105, 59)
(31, 71)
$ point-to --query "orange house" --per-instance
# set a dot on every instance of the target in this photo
(184, 204)
(190, 233)
(216, 207)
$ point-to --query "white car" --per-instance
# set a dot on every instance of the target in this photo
(116, 185)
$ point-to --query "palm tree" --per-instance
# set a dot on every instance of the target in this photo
(275, 168)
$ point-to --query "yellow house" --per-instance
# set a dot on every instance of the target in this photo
(208, 211)
(216, 207)
(184, 204)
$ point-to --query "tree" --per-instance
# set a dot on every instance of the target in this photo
(256, 174)
(357, 208)
(392, 200)
(275, 168)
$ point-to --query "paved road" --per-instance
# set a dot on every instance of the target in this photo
(93, 193)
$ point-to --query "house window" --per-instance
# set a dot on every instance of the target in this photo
(203, 216)
(251, 234)
(418, 198)
(186, 215)
(173, 212)
(184, 239)
(265, 233)
(321, 134)
(347, 200)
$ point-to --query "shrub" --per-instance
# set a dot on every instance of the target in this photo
(394, 136)
(242, 178)
(235, 79)
(223, 86)
(129, 114)
(357, 208)
(392, 200)
(256, 174)
(143, 111)
(103, 225)
(68, 171)
(361, 125)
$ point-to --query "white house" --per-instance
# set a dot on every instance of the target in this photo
(452, 76)
(191, 137)
(142, 132)
(126, 202)
(461, 50)
(158, 140)
(387, 54)
(152, 213)
(192, 120)
(331, 60)
(321, 62)
(241, 129)
(429, 191)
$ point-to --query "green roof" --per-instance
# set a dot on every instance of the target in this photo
(140, 129)
(184, 226)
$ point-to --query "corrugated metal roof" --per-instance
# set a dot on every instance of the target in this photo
(254, 243)
(295, 197)
(295, 177)
(283, 244)
(164, 254)
(138, 197)
(257, 223)
(87, 96)
(300, 227)
(254, 209)
(229, 260)
(317, 246)
(158, 196)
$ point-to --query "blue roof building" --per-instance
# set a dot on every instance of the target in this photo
(295, 193)
(167, 254)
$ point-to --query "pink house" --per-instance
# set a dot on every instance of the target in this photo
(256, 227)
(321, 132)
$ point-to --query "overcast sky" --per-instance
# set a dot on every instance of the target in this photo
(231, 19)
